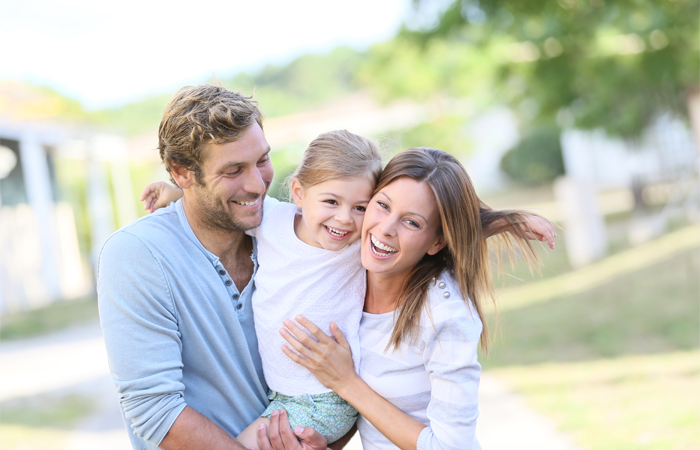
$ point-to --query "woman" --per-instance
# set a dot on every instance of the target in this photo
(427, 281)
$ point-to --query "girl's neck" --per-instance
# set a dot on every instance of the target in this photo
(383, 292)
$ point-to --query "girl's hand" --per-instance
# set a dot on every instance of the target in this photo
(159, 195)
(329, 360)
(540, 229)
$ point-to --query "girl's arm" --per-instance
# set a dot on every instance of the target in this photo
(159, 195)
(518, 223)
(330, 361)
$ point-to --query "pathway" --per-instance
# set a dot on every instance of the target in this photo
(74, 361)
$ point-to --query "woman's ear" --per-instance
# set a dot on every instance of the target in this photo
(297, 192)
(437, 246)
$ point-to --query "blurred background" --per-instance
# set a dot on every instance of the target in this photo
(584, 111)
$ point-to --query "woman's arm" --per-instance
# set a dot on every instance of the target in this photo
(330, 361)
(159, 195)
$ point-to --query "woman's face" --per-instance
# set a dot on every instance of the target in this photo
(401, 225)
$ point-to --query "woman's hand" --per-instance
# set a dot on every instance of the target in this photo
(158, 195)
(281, 436)
(329, 360)
(540, 229)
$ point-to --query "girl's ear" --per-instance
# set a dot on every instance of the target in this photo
(297, 192)
(437, 246)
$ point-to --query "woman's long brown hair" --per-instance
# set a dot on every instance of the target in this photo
(463, 219)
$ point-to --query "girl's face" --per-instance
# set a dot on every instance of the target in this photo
(401, 225)
(332, 211)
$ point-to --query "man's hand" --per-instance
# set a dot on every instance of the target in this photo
(281, 436)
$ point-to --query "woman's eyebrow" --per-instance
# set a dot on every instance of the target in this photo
(409, 212)
(384, 194)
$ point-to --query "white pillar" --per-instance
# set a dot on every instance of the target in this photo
(37, 180)
(100, 205)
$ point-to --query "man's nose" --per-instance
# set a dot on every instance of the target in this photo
(254, 182)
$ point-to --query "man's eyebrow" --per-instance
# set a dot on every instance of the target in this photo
(227, 166)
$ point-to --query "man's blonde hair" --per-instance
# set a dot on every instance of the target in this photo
(198, 116)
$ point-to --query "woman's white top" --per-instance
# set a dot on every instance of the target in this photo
(435, 379)
(296, 278)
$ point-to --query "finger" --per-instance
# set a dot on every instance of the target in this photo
(296, 357)
(316, 331)
(301, 336)
(339, 336)
(313, 438)
(263, 438)
(275, 438)
(289, 439)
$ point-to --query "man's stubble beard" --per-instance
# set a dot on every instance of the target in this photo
(216, 216)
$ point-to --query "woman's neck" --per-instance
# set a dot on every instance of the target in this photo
(383, 292)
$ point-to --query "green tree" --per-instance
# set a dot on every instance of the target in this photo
(612, 64)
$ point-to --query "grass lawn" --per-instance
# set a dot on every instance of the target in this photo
(617, 365)
(42, 422)
(53, 317)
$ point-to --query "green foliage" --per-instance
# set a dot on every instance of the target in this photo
(614, 64)
(47, 410)
(445, 133)
(307, 81)
(136, 117)
(537, 158)
(56, 316)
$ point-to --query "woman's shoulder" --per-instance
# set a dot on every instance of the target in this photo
(446, 302)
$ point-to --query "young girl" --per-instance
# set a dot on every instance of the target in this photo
(309, 263)
(308, 255)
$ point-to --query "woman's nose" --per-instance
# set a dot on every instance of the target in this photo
(388, 226)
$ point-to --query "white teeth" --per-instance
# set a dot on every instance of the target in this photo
(336, 232)
(381, 246)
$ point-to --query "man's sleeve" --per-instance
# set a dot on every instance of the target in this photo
(141, 334)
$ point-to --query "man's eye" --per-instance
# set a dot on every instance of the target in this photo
(264, 160)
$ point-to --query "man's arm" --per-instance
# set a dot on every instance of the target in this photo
(140, 327)
(193, 431)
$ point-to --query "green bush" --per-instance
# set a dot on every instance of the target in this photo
(537, 158)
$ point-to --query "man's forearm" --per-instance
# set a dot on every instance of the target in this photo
(193, 431)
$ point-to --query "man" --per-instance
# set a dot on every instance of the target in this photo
(175, 288)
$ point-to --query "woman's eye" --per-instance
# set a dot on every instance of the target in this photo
(382, 205)
(412, 223)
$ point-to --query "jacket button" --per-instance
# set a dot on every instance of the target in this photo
(442, 285)
(446, 295)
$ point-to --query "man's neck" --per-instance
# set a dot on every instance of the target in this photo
(233, 248)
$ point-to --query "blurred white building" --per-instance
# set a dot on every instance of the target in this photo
(40, 257)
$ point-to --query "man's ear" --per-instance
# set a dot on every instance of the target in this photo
(183, 177)
(437, 246)
(297, 192)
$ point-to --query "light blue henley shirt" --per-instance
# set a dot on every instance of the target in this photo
(177, 330)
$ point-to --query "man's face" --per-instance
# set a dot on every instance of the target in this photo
(236, 177)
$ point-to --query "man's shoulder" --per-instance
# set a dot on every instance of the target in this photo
(160, 230)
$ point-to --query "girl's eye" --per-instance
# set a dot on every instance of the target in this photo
(331, 202)
(360, 208)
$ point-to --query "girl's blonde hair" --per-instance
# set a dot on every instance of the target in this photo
(463, 218)
(338, 154)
